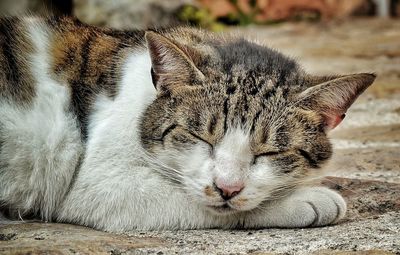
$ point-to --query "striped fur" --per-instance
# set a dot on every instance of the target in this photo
(127, 130)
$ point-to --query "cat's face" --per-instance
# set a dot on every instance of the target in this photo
(238, 132)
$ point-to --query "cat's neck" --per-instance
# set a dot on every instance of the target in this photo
(136, 84)
(120, 118)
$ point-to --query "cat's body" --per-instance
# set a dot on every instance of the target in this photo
(124, 130)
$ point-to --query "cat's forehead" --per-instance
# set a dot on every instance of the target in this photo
(255, 107)
(241, 58)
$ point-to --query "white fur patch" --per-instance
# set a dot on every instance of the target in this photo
(233, 156)
(136, 93)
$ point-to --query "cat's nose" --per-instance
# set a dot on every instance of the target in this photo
(228, 191)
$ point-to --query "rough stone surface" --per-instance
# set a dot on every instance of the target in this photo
(378, 163)
(379, 233)
(364, 235)
(365, 198)
(42, 238)
(366, 164)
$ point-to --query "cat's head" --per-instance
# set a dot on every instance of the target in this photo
(235, 123)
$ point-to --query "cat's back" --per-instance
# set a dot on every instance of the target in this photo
(16, 81)
(52, 72)
(40, 137)
(26, 53)
(83, 58)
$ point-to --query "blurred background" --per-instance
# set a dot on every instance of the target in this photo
(326, 36)
(212, 14)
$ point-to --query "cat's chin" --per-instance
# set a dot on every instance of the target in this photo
(224, 209)
(221, 210)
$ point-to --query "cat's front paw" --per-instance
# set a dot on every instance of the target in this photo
(315, 206)
(306, 207)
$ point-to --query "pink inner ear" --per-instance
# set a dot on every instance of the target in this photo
(334, 120)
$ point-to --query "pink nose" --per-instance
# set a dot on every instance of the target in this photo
(228, 191)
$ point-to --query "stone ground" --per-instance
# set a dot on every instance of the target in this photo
(365, 168)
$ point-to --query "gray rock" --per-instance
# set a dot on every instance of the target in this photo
(126, 14)
(42, 238)
(34, 7)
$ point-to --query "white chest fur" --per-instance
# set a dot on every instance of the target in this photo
(114, 189)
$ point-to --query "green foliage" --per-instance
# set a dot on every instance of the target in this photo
(242, 18)
(199, 17)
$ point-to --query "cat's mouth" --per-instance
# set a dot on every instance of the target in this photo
(222, 209)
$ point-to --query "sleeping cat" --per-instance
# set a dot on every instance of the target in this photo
(175, 129)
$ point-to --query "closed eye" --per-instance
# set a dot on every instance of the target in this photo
(268, 154)
(173, 126)
(265, 154)
(167, 131)
(203, 140)
(198, 137)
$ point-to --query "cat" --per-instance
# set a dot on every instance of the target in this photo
(177, 128)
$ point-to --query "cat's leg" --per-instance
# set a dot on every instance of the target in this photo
(306, 207)
(39, 151)
(122, 199)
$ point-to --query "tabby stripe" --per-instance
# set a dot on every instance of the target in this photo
(13, 73)
(269, 93)
(308, 157)
(85, 54)
(230, 89)
(67, 61)
(226, 111)
(245, 108)
(16, 81)
(212, 125)
(81, 94)
(285, 73)
(255, 119)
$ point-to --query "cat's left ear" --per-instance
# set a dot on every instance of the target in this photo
(332, 98)
(173, 64)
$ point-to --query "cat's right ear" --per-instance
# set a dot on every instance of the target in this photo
(173, 64)
(334, 96)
